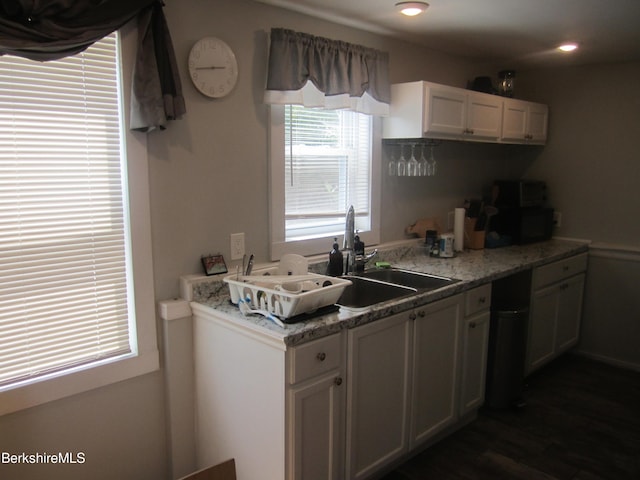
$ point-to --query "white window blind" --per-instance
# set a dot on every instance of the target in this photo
(327, 169)
(64, 284)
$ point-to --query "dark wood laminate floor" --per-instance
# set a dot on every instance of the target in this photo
(581, 422)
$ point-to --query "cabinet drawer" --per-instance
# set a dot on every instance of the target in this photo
(316, 357)
(477, 300)
(554, 272)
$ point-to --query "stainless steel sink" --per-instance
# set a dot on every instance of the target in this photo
(420, 281)
(365, 292)
(381, 285)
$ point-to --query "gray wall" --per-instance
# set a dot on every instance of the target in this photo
(592, 159)
(592, 166)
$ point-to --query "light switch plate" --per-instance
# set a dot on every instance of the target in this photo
(237, 246)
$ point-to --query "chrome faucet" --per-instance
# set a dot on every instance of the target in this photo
(353, 262)
(349, 240)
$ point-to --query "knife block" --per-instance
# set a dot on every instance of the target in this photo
(473, 239)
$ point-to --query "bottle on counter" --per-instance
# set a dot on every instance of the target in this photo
(335, 260)
(358, 245)
(431, 241)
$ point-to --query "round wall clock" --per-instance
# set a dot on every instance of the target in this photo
(213, 67)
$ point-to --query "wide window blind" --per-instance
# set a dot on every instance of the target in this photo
(63, 228)
(327, 169)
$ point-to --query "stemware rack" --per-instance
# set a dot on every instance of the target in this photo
(411, 158)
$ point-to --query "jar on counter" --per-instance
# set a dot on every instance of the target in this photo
(506, 80)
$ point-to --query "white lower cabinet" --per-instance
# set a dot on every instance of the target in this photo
(316, 410)
(435, 368)
(343, 406)
(316, 420)
(378, 391)
(475, 345)
(412, 376)
(556, 310)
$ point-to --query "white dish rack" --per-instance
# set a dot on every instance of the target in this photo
(286, 296)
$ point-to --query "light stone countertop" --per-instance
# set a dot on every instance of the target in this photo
(472, 267)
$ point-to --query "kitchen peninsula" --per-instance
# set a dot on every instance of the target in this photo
(350, 393)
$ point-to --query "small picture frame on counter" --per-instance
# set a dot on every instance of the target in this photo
(214, 264)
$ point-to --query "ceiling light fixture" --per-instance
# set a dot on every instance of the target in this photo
(411, 9)
(568, 47)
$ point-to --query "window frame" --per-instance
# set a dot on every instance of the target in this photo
(145, 358)
(279, 245)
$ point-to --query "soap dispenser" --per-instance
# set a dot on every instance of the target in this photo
(358, 251)
(335, 260)
(358, 245)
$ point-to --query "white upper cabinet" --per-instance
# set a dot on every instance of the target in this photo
(524, 122)
(430, 110)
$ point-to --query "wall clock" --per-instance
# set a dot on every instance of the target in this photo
(213, 67)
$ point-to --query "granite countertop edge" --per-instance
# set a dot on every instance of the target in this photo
(472, 268)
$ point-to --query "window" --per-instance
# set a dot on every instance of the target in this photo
(323, 163)
(67, 302)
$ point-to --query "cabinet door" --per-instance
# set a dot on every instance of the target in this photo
(569, 313)
(484, 117)
(316, 420)
(435, 367)
(537, 121)
(475, 341)
(514, 121)
(377, 399)
(445, 111)
(542, 326)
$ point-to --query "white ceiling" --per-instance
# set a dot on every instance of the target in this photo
(513, 33)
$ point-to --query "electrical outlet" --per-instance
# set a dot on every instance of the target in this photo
(237, 246)
(557, 219)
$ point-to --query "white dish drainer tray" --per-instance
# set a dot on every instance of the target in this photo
(286, 296)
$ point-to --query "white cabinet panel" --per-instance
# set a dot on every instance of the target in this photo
(316, 419)
(569, 313)
(435, 368)
(475, 342)
(524, 122)
(556, 309)
(431, 110)
(445, 111)
(378, 389)
(484, 118)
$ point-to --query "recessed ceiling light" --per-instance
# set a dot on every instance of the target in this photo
(411, 9)
(568, 47)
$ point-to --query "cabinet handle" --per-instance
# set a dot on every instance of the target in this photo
(321, 356)
(564, 286)
(422, 313)
(472, 324)
(412, 316)
(565, 268)
(482, 300)
(337, 381)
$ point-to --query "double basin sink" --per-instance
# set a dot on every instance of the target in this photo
(381, 285)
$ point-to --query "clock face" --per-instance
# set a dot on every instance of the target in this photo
(213, 67)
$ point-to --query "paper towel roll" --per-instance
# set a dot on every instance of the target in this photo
(458, 229)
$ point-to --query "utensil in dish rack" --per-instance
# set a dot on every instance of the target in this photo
(245, 308)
